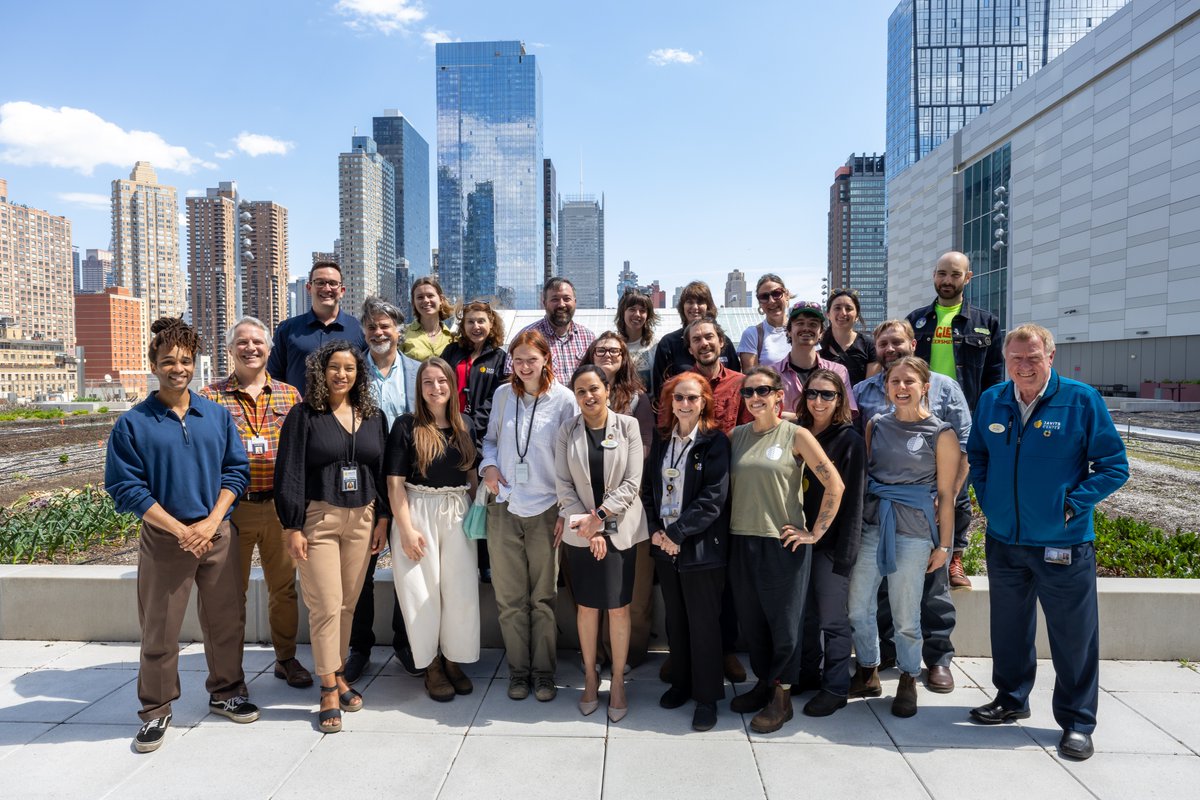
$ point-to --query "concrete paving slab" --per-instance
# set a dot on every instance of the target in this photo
(120, 707)
(400, 705)
(1177, 714)
(1148, 676)
(24, 654)
(499, 768)
(989, 774)
(1119, 728)
(255, 658)
(484, 668)
(855, 724)
(1120, 776)
(416, 766)
(500, 716)
(979, 672)
(234, 761)
(942, 721)
(876, 771)
(51, 695)
(100, 757)
(101, 655)
(646, 718)
(681, 768)
(15, 734)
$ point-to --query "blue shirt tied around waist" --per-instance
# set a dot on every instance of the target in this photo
(913, 495)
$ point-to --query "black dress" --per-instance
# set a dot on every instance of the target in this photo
(856, 358)
(608, 583)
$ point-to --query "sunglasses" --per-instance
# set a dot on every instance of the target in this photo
(774, 294)
(824, 394)
(749, 391)
(686, 398)
(804, 304)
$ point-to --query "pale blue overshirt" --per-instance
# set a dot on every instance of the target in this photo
(395, 392)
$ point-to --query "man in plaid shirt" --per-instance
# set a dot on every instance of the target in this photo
(259, 405)
(568, 341)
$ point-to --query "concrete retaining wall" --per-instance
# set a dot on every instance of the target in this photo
(1140, 619)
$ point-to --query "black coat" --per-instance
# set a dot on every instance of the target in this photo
(848, 452)
(702, 529)
(487, 373)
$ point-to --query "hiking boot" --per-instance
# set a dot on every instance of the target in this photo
(905, 704)
(437, 685)
(958, 575)
(753, 700)
(777, 712)
(865, 682)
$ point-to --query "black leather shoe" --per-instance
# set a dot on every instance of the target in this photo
(1076, 745)
(994, 714)
(674, 697)
(405, 657)
(704, 718)
(355, 663)
(823, 704)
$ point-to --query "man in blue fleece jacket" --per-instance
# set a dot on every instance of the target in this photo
(177, 461)
(1043, 452)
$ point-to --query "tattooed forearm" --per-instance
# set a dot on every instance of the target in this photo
(825, 516)
(824, 470)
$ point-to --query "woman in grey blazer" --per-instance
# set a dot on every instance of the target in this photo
(598, 472)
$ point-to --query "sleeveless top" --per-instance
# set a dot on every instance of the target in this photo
(764, 481)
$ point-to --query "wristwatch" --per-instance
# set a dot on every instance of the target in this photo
(945, 550)
(601, 514)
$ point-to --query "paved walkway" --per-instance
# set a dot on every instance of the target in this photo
(67, 717)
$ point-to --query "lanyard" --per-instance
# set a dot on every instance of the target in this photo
(528, 433)
(353, 438)
(251, 412)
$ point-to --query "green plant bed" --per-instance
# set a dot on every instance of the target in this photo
(30, 413)
(64, 522)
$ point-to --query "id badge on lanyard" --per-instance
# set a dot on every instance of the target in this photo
(349, 473)
(521, 474)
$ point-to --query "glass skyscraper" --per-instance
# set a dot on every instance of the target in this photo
(948, 60)
(408, 153)
(857, 241)
(490, 172)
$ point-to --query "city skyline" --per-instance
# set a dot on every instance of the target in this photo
(628, 104)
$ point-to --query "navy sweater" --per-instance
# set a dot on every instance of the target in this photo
(155, 457)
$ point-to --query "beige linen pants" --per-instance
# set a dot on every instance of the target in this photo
(439, 595)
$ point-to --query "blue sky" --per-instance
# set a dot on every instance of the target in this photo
(713, 129)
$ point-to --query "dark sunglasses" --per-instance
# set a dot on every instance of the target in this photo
(825, 394)
(689, 398)
(774, 294)
(749, 391)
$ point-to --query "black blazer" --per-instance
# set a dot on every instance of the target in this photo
(487, 373)
(702, 529)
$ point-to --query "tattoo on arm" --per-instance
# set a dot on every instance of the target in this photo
(824, 517)
(823, 470)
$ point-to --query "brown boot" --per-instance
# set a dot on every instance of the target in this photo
(777, 712)
(436, 683)
(905, 704)
(458, 679)
(865, 682)
(958, 575)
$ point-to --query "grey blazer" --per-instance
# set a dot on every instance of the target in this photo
(622, 478)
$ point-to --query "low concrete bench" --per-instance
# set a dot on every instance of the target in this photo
(1140, 618)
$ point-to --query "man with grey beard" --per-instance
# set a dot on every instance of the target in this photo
(394, 384)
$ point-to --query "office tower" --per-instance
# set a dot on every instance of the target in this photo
(658, 298)
(213, 257)
(109, 325)
(145, 241)
(581, 248)
(550, 220)
(76, 267)
(36, 285)
(433, 263)
(95, 271)
(628, 279)
(298, 301)
(366, 222)
(408, 153)
(857, 238)
(735, 290)
(489, 101)
(263, 226)
(948, 60)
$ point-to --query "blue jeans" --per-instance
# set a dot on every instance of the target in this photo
(905, 588)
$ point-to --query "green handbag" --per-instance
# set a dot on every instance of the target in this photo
(475, 522)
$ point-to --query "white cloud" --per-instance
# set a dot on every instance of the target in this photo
(90, 200)
(223, 154)
(183, 219)
(258, 144)
(75, 138)
(671, 55)
(385, 16)
(194, 193)
(433, 36)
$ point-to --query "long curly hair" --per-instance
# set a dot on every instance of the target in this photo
(625, 383)
(316, 391)
(428, 441)
(495, 335)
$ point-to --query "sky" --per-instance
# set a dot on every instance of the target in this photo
(712, 129)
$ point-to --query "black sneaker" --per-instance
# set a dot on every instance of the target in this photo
(151, 736)
(354, 665)
(405, 657)
(238, 709)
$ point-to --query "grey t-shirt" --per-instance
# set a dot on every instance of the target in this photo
(903, 453)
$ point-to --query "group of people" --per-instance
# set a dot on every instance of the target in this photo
(802, 494)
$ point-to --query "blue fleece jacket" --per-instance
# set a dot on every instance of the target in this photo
(1026, 476)
(155, 457)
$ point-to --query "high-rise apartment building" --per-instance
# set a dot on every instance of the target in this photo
(76, 266)
(490, 170)
(145, 240)
(36, 284)
(627, 280)
(550, 220)
(948, 60)
(213, 257)
(581, 248)
(735, 290)
(366, 223)
(109, 326)
(857, 235)
(319, 256)
(408, 153)
(263, 228)
(34, 367)
(95, 271)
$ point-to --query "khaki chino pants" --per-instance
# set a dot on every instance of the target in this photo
(525, 579)
(258, 524)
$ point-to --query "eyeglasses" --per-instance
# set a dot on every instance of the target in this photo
(686, 398)
(774, 294)
(762, 391)
(607, 351)
(824, 394)
(321, 283)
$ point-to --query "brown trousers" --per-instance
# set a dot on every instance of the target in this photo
(339, 547)
(258, 524)
(164, 583)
